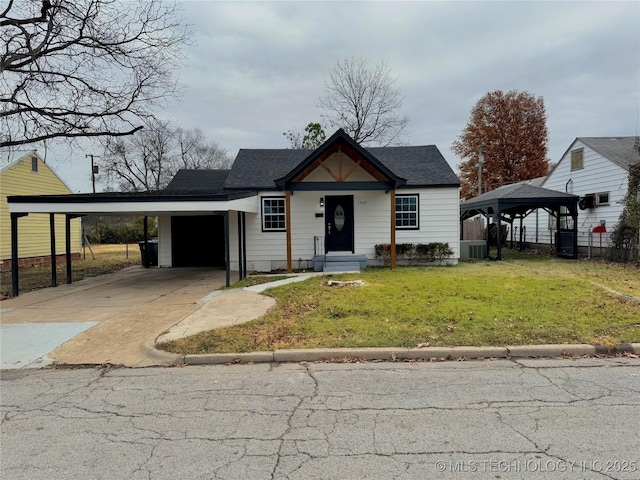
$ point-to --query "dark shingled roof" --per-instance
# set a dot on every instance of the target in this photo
(191, 181)
(420, 165)
(519, 191)
(517, 197)
(620, 150)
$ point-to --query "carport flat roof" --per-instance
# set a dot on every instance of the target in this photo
(135, 203)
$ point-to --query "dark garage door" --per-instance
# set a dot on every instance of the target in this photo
(197, 241)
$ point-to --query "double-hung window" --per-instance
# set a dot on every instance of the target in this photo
(407, 211)
(273, 214)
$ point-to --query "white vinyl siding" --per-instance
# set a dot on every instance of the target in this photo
(164, 241)
(598, 175)
(438, 220)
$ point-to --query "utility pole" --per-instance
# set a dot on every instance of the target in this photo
(94, 170)
(480, 162)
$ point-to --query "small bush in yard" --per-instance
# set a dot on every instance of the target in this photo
(415, 253)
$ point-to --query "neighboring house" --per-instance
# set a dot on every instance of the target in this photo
(596, 169)
(340, 199)
(29, 175)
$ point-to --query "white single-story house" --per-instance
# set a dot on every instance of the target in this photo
(284, 209)
(596, 169)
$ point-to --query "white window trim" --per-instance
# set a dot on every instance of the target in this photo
(417, 212)
(264, 216)
(598, 202)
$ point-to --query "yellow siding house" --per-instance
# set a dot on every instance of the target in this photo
(29, 175)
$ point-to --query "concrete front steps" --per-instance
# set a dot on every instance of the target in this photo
(335, 263)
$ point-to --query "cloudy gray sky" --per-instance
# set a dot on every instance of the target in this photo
(257, 68)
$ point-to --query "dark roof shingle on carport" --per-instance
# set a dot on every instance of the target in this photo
(516, 198)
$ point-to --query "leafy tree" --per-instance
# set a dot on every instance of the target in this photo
(85, 68)
(312, 138)
(148, 160)
(363, 100)
(511, 129)
(625, 237)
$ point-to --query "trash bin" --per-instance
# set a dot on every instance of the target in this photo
(153, 253)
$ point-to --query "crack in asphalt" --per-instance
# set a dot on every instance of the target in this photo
(288, 419)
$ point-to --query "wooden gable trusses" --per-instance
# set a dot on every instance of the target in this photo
(345, 170)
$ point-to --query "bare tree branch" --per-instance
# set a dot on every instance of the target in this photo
(148, 160)
(362, 100)
(85, 68)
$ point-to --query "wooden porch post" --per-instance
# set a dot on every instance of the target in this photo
(52, 231)
(393, 229)
(287, 209)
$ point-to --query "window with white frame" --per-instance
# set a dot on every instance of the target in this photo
(602, 198)
(407, 211)
(273, 214)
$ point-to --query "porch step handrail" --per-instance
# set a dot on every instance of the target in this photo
(318, 245)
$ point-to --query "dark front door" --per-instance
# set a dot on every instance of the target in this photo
(339, 223)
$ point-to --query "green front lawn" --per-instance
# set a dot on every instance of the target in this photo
(513, 302)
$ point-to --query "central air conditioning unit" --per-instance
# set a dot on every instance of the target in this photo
(473, 249)
(587, 201)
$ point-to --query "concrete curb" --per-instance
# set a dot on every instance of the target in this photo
(428, 353)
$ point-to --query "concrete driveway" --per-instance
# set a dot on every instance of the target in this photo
(118, 315)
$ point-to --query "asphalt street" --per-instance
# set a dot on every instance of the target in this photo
(502, 419)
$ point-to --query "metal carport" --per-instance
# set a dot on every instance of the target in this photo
(516, 201)
(142, 204)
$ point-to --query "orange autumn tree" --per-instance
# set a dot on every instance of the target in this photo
(511, 128)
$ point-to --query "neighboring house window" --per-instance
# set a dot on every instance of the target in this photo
(602, 198)
(273, 214)
(407, 211)
(34, 164)
(577, 162)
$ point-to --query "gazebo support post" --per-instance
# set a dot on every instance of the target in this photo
(499, 234)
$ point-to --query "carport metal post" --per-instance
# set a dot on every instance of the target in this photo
(14, 251)
(227, 254)
(52, 232)
(145, 228)
(240, 246)
(244, 245)
(67, 227)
